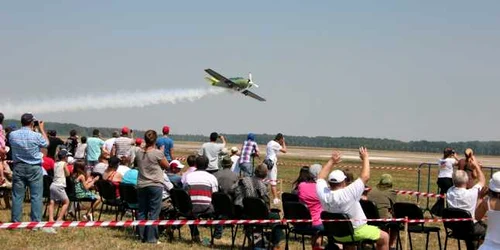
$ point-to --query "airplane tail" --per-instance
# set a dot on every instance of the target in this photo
(211, 80)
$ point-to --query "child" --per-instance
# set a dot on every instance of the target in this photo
(58, 186)
(83, 185)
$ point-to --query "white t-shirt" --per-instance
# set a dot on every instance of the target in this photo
(272, 150)
(108, 144)
(80, 151)
(212, 151)
(100, 168)
(122, 169)
(463, 198)
(446, 167)
(345, 200)
(59, 176)
(235, 167)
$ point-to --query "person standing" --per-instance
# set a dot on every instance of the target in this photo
(212, 151)
(57, 188)
(54, 143)
(72, 142)
(272, 149)
(95, 146)
(150, 183)
(166, 144)
(123, 145)
(249, 150)
(27, 171)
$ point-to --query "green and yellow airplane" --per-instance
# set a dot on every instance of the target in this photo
(238, 84)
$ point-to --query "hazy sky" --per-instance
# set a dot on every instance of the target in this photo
(392, 69)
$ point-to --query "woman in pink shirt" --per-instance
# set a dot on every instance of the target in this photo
(305, 185)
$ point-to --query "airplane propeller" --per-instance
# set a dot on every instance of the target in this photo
(250, 81)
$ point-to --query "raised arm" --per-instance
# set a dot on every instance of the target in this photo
(334, 159)
(41, 125)
(365, 171)
(480, 175)
(223, 140)
(283, 146)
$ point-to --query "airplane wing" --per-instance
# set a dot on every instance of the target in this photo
(223, 82)
(253, 95)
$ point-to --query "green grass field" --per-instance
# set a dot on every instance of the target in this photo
(123, 238)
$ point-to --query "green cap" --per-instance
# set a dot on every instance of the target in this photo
(385, 179)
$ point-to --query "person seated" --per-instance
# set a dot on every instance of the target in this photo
(103, 163)
(384, 196)
(200, 185)
(123, 166)
(83, 185)
(459, 196)
(111, 174)
(306, 190)
(337, 197)
(191, 161)
(173, 173)
(490, 206)
(226, 177)
(255, 186)
(130, 177)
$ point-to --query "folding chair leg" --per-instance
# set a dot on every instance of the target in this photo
(458, 242)
(439, 240)
(427, 242)
(100, 212)
(116, 213)
(233, 235)
(409, 237)
(287, 237)
(446, 241)
(303, 243)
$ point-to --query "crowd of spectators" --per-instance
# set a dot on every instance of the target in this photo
(30, 153)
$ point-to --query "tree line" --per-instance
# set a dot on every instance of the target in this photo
(480, 147)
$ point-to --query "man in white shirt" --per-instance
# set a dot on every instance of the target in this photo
(108, 144)
(336, 197)
(272, 149)
(212, 150)
(460, 197)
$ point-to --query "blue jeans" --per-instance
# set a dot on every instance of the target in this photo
(25, 175)
(246, 169)
(149, 199)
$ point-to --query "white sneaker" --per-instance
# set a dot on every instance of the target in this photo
(276, 201)
(49, 230)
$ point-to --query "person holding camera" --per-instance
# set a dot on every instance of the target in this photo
(27, 171)
(273, 148)
(212, 150)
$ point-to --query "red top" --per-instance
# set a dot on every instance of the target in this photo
(48, 163)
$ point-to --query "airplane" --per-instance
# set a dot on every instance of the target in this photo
(239, 84)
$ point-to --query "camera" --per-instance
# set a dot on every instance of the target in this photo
(36, 123)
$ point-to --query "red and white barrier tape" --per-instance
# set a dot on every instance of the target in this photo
(80, 224)
(419, 193)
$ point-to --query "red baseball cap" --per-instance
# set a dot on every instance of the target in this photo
(138, 141)
(125, 130)
(166, 129)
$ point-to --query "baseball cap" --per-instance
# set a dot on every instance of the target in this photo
(336, 176)
(385, 179)
(138, 141)
(176, 164)
(63, 153)
(314, 169)
(495, 182)
(166, 129)
(27, 118)
(226, 162)
(125, 130)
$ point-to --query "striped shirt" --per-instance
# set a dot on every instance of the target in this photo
(25, 145)
(200, 186)
(246, 151)
(123, 146)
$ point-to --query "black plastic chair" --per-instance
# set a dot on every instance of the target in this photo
(371, 211)
(107, 191)
(71, 193)
(184, 207)
(224, 208)
(298, 211)
(412, 211)
(128, 195)
(289, 197)
(341, 229)
(47, 180)
(256, 209)
(460, 230)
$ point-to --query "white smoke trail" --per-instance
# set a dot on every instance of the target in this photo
(104, 101)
